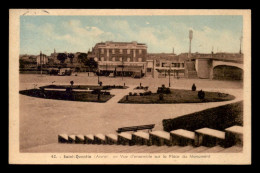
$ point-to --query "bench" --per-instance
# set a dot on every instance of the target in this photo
(135, 128)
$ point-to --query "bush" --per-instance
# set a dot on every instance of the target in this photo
(96, 91)
(220, 118)
(135, 94)
(193, 88)
(201, 94)
(141, 94)
(130, 94)
(160, 96)
(147, 93)
(106, 93)
(163, 90)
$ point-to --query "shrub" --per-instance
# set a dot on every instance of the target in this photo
(201, 94)
(160, 96)
(130, 93)
(68, 89)
(106, 93)
(163, 90)
(193, 88)
(95, 91)
(141, 94)
(147, 93)
(135, 94)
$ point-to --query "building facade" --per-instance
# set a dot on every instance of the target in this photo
(165, 64)
(120, 58)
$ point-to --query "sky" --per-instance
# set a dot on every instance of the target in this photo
(161, 33)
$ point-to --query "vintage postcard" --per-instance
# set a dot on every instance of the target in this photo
(128, 86)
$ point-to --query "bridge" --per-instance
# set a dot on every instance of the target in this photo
(219, 65)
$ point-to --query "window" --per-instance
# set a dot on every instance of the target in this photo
(149, 70)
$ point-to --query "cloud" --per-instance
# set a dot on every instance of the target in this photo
(159, 38)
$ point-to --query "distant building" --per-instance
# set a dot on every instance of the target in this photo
(165, 64)
(120, 58)
(41, 59)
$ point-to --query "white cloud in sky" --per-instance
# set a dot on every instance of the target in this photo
(80, 37)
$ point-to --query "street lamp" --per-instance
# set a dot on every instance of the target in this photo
(170, 75)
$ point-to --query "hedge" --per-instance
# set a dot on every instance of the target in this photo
(217, 118)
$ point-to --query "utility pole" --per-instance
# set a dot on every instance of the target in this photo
(41, 61)
(190, 37)
(241, 38)
(170, 74)
(122, 68)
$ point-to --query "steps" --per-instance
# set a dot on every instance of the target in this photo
(203, 140)
(190, 71)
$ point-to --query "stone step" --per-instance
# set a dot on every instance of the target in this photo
(71, 138)
(89, 139)
(132, 148)
(99, 139)
(233, 149)
(149, 149)
(183, 149)
(141, 138)
(163, 149)
(215, 149)
(160, 138)
(80, 139)
(234, 136)
(197, 149)
(111, 139)
(182, 137)
(209, 137)
(63, 138)
(115, 148)
(125, 138)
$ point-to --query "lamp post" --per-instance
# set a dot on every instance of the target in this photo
(190, 37)
(170, 75)
(122, 68)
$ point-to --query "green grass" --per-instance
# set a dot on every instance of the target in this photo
(63, 95)
(91, 87)
(178, 96)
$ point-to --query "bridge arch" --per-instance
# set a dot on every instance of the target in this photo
(227, 72)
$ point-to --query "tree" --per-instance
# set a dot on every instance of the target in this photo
(71, 56)
(62, 57)
(82, 57)
(91, 63)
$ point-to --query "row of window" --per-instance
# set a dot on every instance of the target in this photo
(172, 65)
(120, 59)
(121, 51)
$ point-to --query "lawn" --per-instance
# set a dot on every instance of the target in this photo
(63, 95)
(178, 96)
(90, 87)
